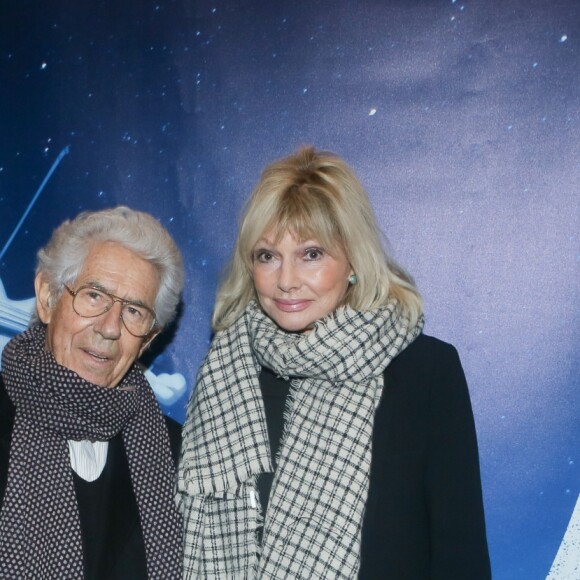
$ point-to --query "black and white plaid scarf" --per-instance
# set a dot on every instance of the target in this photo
(312, 528)
(40, 535)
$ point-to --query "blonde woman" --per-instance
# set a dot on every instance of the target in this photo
(327, 436)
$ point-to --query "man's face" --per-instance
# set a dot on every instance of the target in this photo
(99, 349)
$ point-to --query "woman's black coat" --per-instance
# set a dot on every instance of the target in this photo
(424, 517)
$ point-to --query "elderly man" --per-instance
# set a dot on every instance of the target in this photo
(86, 472)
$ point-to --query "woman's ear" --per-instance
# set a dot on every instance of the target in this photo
(42, 290)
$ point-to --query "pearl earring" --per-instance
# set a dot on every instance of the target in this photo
(352, 279)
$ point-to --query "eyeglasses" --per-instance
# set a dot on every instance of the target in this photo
(90, 302)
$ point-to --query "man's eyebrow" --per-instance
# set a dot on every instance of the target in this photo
(94, 284)
(98, 286)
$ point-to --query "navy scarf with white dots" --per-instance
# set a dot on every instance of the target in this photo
(40, 533)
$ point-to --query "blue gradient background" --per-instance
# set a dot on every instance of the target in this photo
(461, 119)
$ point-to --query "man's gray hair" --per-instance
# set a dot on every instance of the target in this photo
(62, 259)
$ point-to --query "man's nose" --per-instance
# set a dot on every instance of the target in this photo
(110, 322)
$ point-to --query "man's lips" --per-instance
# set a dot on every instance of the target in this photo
(95, 354)
(292, 305)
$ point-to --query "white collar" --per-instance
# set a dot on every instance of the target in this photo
(88, 458)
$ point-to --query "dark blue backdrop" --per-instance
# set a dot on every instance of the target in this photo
(462, 120)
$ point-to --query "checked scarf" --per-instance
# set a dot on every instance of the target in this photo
(312, 528)
(40, 534)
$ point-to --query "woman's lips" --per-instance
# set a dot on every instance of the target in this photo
(292, 305)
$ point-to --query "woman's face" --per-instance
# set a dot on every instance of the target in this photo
(298, 282)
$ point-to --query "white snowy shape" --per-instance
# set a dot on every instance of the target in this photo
(14, 314)
(372, 112)
(167, 387)
(566, 565)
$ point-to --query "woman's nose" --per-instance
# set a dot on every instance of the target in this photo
(288, 278)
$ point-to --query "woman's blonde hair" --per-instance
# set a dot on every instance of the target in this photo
(315, 195)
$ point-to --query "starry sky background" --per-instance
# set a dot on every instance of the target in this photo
(460, 118)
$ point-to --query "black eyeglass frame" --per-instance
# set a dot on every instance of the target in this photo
(114, 299)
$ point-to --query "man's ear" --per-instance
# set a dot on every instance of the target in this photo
(42, 290)
(147, 342)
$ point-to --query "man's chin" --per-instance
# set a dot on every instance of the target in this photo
(100, 379)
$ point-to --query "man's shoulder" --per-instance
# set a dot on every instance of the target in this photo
(6, 425)
(174, 431)
(6, 412)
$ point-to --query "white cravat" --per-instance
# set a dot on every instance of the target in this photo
(88, 458)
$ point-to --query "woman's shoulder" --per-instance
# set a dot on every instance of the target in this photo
(426, 350)
(427, 368)
(431, 342)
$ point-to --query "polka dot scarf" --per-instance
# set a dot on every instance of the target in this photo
(40, 534)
